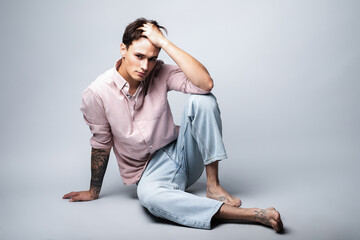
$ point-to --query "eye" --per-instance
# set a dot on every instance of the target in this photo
(153, 59)
(139, 56)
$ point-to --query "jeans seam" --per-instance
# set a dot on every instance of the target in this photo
(171, 158)
(177, 170)
(200, 139)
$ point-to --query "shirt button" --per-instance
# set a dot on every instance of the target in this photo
(143, 129)
(150, 146)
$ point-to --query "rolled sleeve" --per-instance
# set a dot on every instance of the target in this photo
(178, 81)
(94, 116)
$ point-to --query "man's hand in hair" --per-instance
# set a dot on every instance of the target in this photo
(154, 35)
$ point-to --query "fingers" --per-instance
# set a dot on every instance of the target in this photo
(76, 199)
(146, 28)
(153, 34)
(149, 28)
(70, 195)
(78, 196)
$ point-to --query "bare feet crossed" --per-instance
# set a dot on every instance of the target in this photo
(218, 193)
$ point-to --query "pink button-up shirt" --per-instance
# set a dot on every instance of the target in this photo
(134, 137)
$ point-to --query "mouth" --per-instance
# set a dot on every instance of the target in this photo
(141, 74)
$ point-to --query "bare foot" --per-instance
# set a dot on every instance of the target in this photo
(218, 193)
(269, 217)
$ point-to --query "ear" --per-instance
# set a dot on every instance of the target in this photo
(123, 50)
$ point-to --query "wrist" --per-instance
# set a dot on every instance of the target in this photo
(165, 43)
(94, 192)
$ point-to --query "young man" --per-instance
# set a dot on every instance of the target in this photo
(126, 108)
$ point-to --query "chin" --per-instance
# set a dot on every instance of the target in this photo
(141, 79)
(137, 78)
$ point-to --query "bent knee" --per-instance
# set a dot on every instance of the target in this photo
(207, 101)
(149, 194)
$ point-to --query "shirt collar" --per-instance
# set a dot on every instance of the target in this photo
(118, 79)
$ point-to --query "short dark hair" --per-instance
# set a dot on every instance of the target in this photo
(132, 32)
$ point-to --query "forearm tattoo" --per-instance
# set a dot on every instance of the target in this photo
(99, 161)
(260, 216)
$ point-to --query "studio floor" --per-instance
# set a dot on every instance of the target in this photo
(316, 201)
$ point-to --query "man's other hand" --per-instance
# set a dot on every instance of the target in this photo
(80, 196)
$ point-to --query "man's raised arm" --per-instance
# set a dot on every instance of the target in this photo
(99, 161)
(192, 68)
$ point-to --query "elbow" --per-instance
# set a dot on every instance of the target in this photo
(205, 83)
(209, 85)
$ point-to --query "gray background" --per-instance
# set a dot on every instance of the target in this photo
(286, 78)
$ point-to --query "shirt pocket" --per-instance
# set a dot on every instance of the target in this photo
(154, 108)
(120, 122)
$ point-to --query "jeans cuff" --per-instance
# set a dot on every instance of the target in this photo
(214, 159)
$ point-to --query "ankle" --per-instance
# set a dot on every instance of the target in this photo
(212, 184)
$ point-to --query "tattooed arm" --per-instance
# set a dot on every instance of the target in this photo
(99, 161)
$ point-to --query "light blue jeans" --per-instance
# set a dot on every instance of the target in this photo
(178, 165)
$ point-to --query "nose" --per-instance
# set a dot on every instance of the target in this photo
(144, 65)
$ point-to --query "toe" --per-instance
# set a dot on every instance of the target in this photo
(231, 203)
(238, 202)
(277, 216)
(275, 225)
(279, 227)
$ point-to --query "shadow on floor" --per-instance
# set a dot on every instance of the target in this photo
(217, 223)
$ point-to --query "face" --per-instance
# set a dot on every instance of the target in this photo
(138, 60)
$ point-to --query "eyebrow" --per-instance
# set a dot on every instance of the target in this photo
(137, 53)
